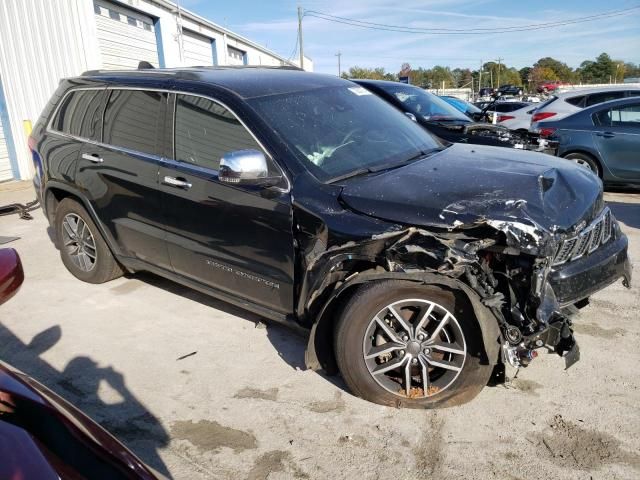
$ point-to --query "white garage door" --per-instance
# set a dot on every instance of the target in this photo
(125, 37)
(5, 166)
(197, 49)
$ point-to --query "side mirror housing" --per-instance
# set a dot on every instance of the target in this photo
(246, 167)
(11, 274)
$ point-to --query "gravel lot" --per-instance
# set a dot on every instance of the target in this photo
(240, 404)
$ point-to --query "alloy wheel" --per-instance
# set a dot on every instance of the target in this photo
(583, 163)
(414, 348)
(79, 242)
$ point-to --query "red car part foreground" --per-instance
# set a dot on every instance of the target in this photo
(44, 437)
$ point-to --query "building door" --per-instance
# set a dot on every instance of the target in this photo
(198, 49)
(125, 37)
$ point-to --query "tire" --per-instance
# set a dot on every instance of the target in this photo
(359, 332)
(82, 248)
(585, 160)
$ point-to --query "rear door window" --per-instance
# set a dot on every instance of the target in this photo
(205, 131)
(131, 120)
(627, 116)
(80, 114)
(596, 98)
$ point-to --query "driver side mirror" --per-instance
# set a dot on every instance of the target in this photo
(11, 274)
(246, 167)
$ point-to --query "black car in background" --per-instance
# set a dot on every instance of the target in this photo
(417, 268)
(444, 120)
(509, 90)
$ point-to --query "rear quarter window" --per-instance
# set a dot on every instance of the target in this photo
(576, 101)
(596, 98)
(80, 114)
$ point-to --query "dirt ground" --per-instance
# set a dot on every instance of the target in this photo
(199, 389)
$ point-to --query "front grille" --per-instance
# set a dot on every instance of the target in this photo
(587, 241)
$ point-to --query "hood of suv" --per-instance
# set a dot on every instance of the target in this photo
(471, 184)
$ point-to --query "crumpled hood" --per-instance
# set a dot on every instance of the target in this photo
(470, 184)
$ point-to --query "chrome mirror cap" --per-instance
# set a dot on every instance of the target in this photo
(244, 167)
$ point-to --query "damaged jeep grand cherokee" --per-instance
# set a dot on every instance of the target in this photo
(419, 269)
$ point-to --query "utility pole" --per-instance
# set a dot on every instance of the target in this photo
(480, 77)
(499, 60)
(300, 37)
(339, 54)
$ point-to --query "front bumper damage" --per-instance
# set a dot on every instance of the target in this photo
(505, 257)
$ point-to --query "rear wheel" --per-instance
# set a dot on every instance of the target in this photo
(82, 248)
(585, 160)
(404, 344)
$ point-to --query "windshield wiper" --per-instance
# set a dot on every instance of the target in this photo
(389, 166)
(354, 173)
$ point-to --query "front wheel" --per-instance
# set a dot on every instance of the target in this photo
(404, 344)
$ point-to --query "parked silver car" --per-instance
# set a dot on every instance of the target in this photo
(563, 104)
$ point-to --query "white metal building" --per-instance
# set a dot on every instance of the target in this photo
(42, 41)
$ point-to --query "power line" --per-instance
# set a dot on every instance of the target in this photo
(469, 31)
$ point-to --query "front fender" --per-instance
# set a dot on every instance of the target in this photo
(319, 354)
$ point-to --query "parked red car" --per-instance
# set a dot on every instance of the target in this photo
(44, 437)
(550, 86)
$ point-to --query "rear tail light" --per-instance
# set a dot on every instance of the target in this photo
(541, 116)
(546, 132)
(502, 118)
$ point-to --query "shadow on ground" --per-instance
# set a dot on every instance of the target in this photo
(627, 213)
(289, 343)
(78, 383)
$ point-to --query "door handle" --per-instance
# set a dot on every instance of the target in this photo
(92, 157)
(177, 182)
(606, 134)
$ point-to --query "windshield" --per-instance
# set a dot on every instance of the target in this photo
(338, 130)
(422, 103)
(462, 105)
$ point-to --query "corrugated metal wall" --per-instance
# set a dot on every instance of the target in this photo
(31, 65)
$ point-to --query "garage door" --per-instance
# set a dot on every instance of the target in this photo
(125, 37)
(5, 166)
(197, 49)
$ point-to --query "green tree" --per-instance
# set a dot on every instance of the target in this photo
(525, 74)
(602, 70)
(631, 70)
(561, 70)
(369, 73)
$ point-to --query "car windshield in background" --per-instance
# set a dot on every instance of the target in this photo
(340, 130)
(425, 104)
(462, 105)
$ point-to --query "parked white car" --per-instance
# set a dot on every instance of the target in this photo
(503, 111)
(567, 102)
(518, 119)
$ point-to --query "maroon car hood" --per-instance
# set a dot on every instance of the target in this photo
(43, 436)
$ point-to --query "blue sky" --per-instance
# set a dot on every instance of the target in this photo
(273, 23)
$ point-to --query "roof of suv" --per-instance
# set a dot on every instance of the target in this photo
(247, 82)
(586, 91)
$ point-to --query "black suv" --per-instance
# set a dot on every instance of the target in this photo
(418, 268)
